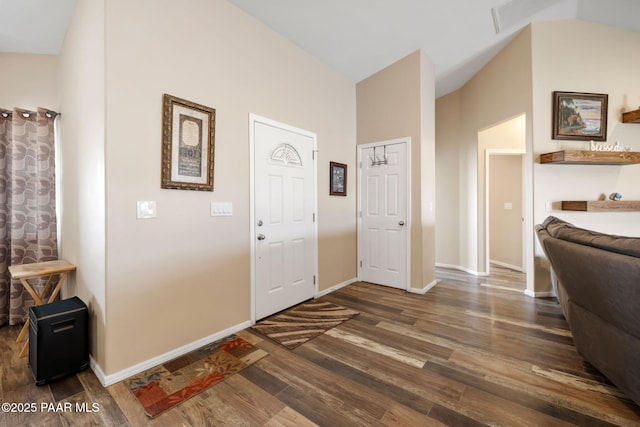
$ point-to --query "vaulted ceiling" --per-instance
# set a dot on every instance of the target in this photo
(359, 37)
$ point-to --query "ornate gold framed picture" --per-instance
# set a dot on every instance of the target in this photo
(188, 144)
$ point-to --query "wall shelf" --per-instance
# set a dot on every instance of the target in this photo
(631, 116)
(601, 205)
(580, 157)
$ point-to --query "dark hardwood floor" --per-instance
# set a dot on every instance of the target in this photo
(464, 354)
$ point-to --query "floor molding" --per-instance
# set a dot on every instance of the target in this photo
(505, 265)
(423, 290)
(545, 294)
(504, 288)
(108, 380)
(336, 287)
(460, 268)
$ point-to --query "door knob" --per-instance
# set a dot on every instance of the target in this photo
(261, 237)
(401, 223)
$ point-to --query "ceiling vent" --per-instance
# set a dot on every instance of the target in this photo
(517, 11)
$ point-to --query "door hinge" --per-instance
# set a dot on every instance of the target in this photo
(360, 263)
(314, 217)
(314, 279)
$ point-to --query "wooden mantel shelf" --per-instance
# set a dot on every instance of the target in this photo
(580, 157)
(631, 116)
(602, 206)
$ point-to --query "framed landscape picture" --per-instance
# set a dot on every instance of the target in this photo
(580, 116)
(188, 140)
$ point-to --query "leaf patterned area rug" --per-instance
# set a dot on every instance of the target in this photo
(297, 325)
(165, 386)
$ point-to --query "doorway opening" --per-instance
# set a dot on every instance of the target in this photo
(505, 235)
(503, 240)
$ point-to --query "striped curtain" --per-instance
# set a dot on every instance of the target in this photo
(27, 203)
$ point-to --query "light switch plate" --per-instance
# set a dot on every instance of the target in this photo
(221, 209)
(146, 209)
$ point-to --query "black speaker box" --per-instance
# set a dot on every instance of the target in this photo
(58, 339)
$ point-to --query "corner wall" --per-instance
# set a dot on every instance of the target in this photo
(498, 92)
(428, 170)
(398, 102)
(82, 142)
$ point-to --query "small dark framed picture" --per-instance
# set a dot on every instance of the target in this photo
(580, 116)
(338, 179)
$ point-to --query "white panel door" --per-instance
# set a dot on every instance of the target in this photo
(284, 216)
(383, 215)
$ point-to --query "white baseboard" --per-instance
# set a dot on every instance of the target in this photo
(466, 270)
(97, 370)
(108, 380)
(503, 288)
(336, 287)
(424, 290)
(544, 294)
(505, 265)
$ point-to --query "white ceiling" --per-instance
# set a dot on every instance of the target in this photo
(356, 37)
(34, 26)
(360, 37)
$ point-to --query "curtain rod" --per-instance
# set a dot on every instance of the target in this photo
(48, 113)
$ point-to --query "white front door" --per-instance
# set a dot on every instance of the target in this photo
(284, 228)
(383, 212)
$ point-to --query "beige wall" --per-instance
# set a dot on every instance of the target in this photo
(157, 285)
(28, 81)
(606, 61)
(428, 169)
(398, 102)
(82, 142)
(499, 92)
(453, 181)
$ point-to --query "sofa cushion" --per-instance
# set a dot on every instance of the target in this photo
(622, 245)
(565, 231)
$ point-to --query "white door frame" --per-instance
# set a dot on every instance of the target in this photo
(487, 171)
(253, 119)
(361, 148)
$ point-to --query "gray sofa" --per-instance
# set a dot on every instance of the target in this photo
(598, 286)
